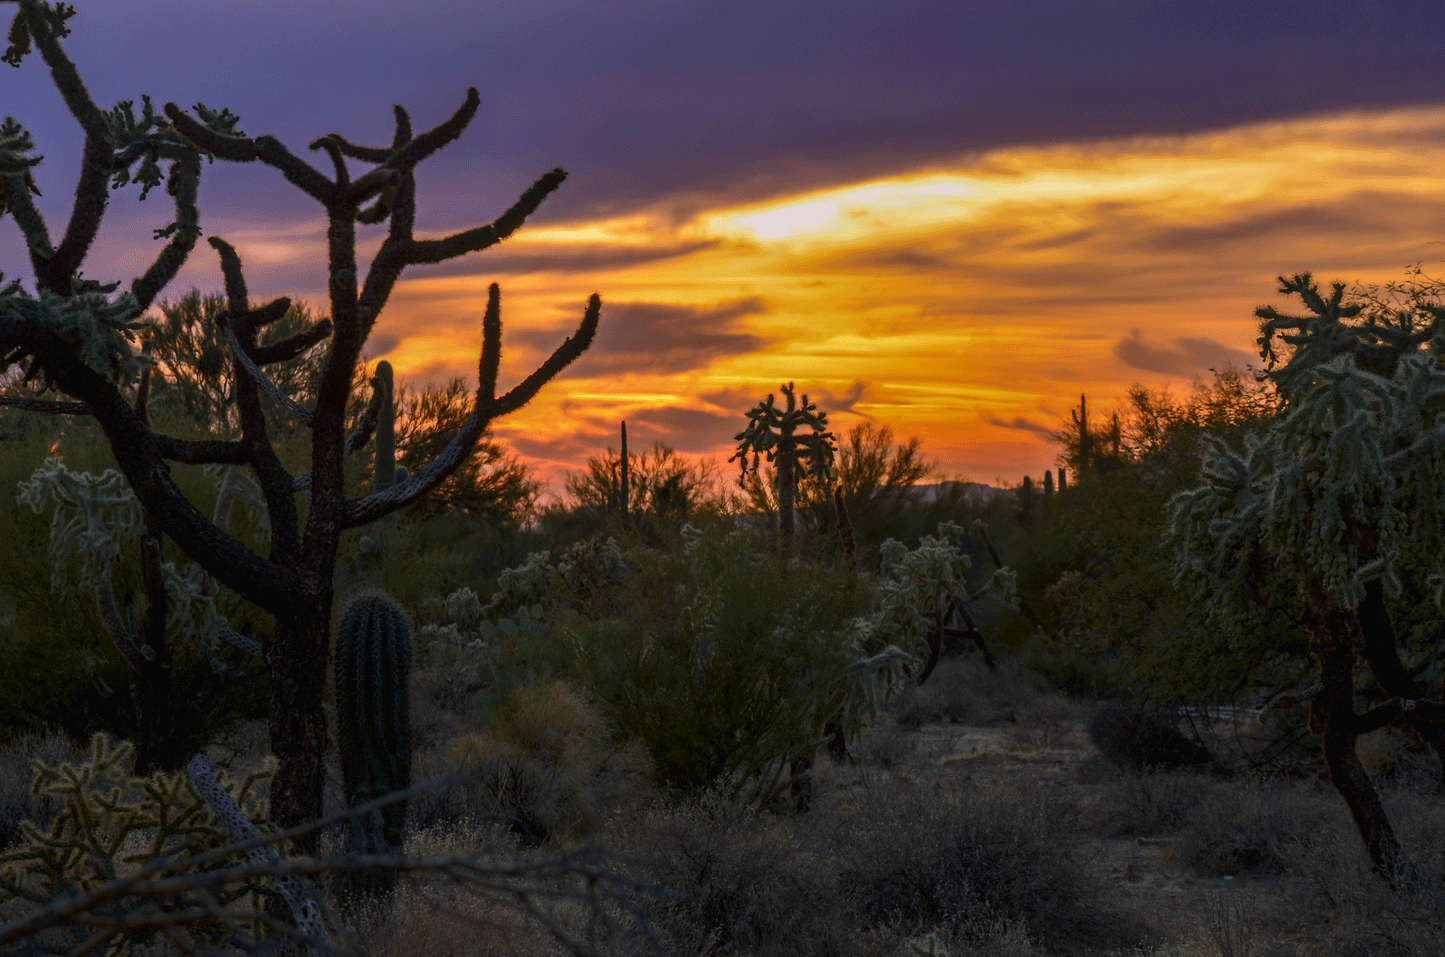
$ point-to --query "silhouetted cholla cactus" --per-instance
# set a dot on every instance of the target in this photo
(373, 716)
(794, 437)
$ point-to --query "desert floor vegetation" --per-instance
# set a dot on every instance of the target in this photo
(1005, 830)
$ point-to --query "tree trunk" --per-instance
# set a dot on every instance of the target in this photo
(1334, 718)
(160, 738)
(296, 663)
(787, 527)
(1382, 652)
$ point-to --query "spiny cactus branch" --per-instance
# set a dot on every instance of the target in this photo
(259, 376)
(359, 435)
(183, 184)
(47, 406)
(235, 639)
(491, 356)
(200, 452)
(475, 240)
(338, 161)
(293, 346)
(563, 356)
(237, 297)
(405, 156)
(15, 193)
(431, 475)
(115, 627)
(304, 909)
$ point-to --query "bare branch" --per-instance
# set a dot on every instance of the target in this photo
(475, 240)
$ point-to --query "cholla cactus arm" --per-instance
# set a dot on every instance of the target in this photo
(487, 407)
(304, 909)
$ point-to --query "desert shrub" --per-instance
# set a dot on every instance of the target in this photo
(964, 691)
(967, 864)
(1135, 740)
(1348, 910)
(740, 882)
(545, 767)
(111, 824)
(1148, 803)
(1251, 827)
(720, 660)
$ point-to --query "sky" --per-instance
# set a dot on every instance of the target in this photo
(945, 216)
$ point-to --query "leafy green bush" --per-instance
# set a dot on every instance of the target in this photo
(723, 662)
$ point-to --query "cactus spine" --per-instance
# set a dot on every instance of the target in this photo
(373, 717)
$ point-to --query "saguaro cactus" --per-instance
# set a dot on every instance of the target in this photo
(373, 718)
(385, 429)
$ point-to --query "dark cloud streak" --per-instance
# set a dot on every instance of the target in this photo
(712, 100)
(1190, 355)
(652, 337)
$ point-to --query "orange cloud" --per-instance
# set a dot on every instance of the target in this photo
(975, 298)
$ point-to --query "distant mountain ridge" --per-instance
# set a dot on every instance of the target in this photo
(975, 494)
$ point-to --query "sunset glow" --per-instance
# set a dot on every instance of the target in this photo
(969, 306)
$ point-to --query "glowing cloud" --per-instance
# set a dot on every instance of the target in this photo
(976, 297)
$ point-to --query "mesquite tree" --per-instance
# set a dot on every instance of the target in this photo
(76, 336)
(796, 439)
(1335, 514)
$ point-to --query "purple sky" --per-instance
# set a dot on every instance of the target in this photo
(677, 98)
(667, 112)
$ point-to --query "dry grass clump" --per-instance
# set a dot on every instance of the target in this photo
(1150, 804)
(981, 872)
(742, 882)
(968, 864)
(1252, 826)
(1135, 741)
(1345, 910)
(964, 691)
(1242, 826)
(17, 772)
(545, 767)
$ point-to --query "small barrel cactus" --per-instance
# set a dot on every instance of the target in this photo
(373, 709)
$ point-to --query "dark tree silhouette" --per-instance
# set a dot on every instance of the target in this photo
(77, 334)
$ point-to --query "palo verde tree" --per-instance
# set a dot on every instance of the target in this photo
(796, 439)
(1335, 514)
(75, 335)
